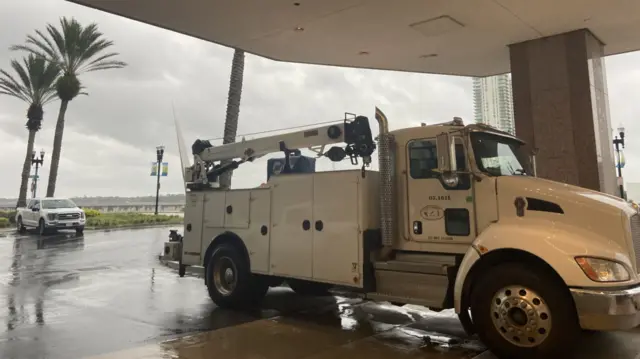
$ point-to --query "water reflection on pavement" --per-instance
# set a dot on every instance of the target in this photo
(105, 295)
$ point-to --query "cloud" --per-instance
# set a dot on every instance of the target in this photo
(111, 135)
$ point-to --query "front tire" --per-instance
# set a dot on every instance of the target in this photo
(230, 282)
(79, 231)
(524, 312)
(42, 228)
(19, 226)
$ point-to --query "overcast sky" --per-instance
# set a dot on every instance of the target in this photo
(110, 136)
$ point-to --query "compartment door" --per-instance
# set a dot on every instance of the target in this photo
(336, 236)
(291, 226)
(192, 241)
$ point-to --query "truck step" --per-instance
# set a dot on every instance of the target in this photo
(416, 257)
(423, 289)
(418, 263)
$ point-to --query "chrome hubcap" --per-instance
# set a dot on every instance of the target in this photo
(224, 275)
(521, 316)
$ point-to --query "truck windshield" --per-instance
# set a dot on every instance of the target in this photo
(57, 204)
(497, 155)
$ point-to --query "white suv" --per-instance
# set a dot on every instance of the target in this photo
(50, 213)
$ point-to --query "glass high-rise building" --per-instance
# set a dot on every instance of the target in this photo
(493, 102)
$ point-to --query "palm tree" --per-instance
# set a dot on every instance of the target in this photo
(74, 49)
(34, 85)
(233, 108)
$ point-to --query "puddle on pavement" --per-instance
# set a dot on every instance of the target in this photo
(348, 328)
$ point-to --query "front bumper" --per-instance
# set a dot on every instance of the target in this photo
(66, 224)
(608, 309)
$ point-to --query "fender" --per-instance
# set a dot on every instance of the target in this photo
(552, 242)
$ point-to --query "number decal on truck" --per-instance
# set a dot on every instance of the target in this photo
(440, 198)
(432, 213)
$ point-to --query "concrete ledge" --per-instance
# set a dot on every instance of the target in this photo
(193, 270)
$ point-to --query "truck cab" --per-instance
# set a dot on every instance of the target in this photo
(453, 218)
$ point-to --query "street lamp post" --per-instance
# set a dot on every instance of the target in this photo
(159, 153)
(38, 162)
(617, 142)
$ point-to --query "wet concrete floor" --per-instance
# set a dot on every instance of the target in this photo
(105, 295)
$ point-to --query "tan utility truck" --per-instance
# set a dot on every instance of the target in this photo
(453, 218)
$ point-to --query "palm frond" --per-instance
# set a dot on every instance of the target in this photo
(22, 74)
(37, 76)
(72, 47)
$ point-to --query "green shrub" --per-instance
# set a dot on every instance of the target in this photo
(9, 215)
(4, 222)
(91, 213)
(123, 219)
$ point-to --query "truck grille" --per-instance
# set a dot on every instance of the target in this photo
(68, 216)
(635, 236)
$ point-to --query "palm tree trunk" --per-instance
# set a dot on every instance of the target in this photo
(233, 108)
(57, 148)
(26, 169)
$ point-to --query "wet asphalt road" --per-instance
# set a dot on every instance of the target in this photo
(106, 295)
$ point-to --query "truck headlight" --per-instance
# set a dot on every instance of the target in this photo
(603, 270)
(51, 216)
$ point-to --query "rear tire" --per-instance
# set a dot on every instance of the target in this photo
(524, 311)
(230, 282)
(304, 287)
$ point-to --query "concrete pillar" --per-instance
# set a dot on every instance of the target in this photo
(561, 107)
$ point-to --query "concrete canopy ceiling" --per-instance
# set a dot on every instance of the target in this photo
(456, 37)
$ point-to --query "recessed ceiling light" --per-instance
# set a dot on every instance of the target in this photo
(298, 28)
(363, 53)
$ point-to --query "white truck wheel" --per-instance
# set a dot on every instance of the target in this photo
(229, 280)
(524, 312)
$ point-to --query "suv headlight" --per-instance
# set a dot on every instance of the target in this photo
(51, 216)
(603, 270)
(82, 214)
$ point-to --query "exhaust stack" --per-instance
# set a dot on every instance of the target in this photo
(385, 161)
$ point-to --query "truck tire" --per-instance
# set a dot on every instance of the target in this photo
(19, 226)
(230, 282)
(523, 311)
(304, 287)
(42, 228)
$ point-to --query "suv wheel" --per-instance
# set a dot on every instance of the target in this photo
(42, 229)
(19, 226)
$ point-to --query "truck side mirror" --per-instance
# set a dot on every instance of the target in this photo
(447, 166)
(446, 150)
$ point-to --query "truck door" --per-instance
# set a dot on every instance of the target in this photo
(33, 217)
(437, 213)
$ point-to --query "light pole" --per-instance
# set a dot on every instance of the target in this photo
(617, 142)
(38, 162)
(159, 153)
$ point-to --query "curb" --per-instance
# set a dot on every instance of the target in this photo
(6, 231)
(109, 229)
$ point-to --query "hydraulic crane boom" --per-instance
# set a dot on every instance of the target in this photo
(355, 133)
